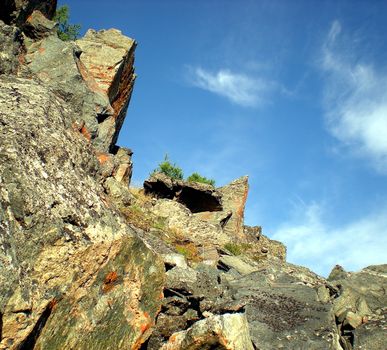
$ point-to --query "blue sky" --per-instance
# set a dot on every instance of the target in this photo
(291, 93)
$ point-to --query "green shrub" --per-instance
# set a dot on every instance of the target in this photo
(66, 31)
(169, 169)
(195, 177)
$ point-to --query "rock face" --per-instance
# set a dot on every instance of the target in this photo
(70, 263)
(67, 257)
(11, 48)
(360, 310)
(87, 263)
(108, 57)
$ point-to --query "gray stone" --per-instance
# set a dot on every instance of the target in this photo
(11, 49)
(238, 264)
(175, 260)
(371, 335)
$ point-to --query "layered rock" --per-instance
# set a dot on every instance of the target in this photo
(108, 57)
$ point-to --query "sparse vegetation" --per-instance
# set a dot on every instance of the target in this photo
(66, 31)
(233, 248)
(175, 172)
(169, 169)
(190, 251)
(159, 224)
(238, 249)
(195, 177)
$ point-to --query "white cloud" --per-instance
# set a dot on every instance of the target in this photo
(312, 242)
(238, 88)
(356, 99)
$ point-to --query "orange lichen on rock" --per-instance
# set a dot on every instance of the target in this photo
(85, 133)
(109, 281)
(103, 157)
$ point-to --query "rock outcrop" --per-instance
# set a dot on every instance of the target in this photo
(87, 263)
(70, 263)
(108, 57)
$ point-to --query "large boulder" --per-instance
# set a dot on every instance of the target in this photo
(70, 265)
(228, 331)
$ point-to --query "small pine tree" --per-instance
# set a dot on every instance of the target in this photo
(195, 177)
(66, 31)
(169, 169)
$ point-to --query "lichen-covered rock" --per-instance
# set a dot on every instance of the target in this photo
(69, 262)
(67, 81)
(17, 11)
(282, 309)
(360, 308)
(180, 220)
(109, 56)
(11, 49)
(371, 334)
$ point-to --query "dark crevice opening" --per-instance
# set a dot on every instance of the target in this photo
(30, 341)
(198, 201)
(144, 345)
(225, 220)
(6, 9)
(347, 336)
(101, 117)
(168, 292)
(159, 190)
(168, 266)
(222, 267)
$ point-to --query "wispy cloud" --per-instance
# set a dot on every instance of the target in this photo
(355, 98)
(312, 242)
(239, 88)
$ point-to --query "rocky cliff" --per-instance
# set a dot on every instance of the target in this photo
(88, 263)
